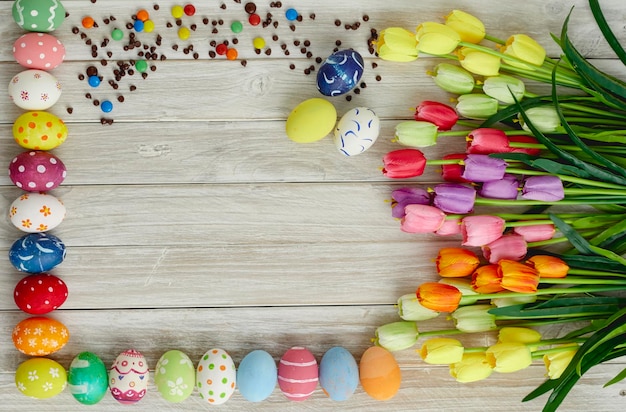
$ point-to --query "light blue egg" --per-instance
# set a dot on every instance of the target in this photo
(257, 376)
(339, 373)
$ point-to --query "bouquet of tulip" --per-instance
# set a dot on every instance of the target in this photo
(530, 151)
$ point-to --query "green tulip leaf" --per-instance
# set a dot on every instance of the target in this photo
(562, 308)
(619, 377)
(581, 65)
(606, 30)
(610, 235)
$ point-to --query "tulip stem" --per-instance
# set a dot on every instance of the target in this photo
(577, 280)
(494, 39)
(521, 202)
(471, 299)
(566, 178)
(595, 273)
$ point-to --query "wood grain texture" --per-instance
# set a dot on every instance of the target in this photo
(193, 222)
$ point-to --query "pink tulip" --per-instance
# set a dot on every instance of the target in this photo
(535, 233)
(422, 219)
(479, 230)
(486, 140)
(404, 163)
(443, 116)
(449, 227)
(511, 247)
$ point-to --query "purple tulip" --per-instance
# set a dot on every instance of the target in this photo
(505, 188)
(454, 198)
(407, 196)
(482, 168)
(546, 188)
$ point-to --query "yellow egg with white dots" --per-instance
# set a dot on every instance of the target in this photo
(39, 130)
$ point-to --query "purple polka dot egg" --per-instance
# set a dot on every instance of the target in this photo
(37, 171)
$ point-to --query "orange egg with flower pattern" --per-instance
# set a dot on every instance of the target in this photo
(40, 336)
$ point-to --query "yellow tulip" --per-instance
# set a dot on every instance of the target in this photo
(396, 44)
(470, 28)
(557, 362)
(510, 334)
(472, 367)
(479, 62)
(524, 48)
(508, 357)
(436, 38)
(441, 351)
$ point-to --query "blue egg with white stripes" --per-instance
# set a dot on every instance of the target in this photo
(37, 253)
(339, 374)
(356, 131)
(257, 376)
(340, 73)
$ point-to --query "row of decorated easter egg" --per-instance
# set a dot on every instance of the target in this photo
(215, 376)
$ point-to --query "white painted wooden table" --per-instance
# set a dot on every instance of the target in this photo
(193, 222)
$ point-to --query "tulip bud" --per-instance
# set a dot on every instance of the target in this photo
(486, 140)
(407, 196)
(549, 266)
(479, 62)
(518, 277)
(404, 163)
(396, 336)
(396, 44)
(483, 168)
(535, 233)
(439, 297)
(453, 79)
(450, 227)
(510, 246)
(470, 28)
(557, 362)
(454, 198)
(455, 262)
(509, 357)
(441, 351)
(473, 367)
(479, 230)
(416, 134)
(436, 38)
(544, 118)
(421, 219)
(518, 334)
(476, 106)
(501, 87)
(474, 318)
(505, 188)
(547, 188)
(410, 309)
(440, 114)
(524, 48)
(486, 279)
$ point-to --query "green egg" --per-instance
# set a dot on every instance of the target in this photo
(38, 15)
(88, 379)
(175, 376)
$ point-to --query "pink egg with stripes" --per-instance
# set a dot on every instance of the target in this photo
(298, 374)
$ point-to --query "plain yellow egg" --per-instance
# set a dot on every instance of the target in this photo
(311, 121)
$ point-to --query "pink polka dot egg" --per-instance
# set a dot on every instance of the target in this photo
(37, 171)
(40, 51)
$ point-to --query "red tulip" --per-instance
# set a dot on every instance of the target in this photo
(443, 116)
(453, 172)
(404, 163)
(524, 139)
(486, 140)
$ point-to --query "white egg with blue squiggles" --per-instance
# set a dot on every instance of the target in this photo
(356, 131)
(257, 376)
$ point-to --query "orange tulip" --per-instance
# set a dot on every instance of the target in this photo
(486, 279)
(548, 266)
(456, 262)
(439, 296)
(518, 277)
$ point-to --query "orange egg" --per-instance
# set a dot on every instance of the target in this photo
(379, 373)
(40, 336)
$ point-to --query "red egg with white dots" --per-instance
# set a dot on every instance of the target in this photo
(37, 171)
(40, 294)
(40, 51)
(298, 374)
